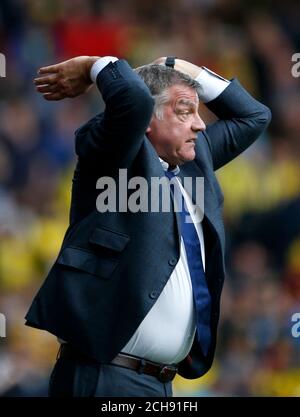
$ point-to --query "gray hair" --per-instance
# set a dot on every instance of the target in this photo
(158, 79)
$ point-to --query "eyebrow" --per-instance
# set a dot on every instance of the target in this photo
(186, 102)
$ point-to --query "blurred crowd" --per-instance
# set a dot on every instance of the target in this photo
(253, 41)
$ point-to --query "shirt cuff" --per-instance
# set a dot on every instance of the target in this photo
(99, 65)
(211, 85)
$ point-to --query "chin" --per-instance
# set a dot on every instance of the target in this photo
(189, 156)
(185, 159)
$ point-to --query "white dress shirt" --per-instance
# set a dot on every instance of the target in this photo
(167, 332)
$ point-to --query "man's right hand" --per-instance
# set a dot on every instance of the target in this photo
(66, 79)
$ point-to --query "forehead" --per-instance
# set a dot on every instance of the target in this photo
(182, 94)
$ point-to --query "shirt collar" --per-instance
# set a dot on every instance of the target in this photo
(165, 166)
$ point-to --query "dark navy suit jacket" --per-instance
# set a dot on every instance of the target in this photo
(113, 266)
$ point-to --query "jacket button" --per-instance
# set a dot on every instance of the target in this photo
(172, 261)
(153, 294)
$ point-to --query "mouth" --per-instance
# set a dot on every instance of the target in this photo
(192, 140)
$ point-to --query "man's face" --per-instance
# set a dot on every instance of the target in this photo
(174, 136)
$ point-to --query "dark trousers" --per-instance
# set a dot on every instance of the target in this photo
(76, 378)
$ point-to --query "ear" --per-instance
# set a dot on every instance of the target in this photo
(148, 130)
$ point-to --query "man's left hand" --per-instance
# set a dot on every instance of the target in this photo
(181, 65)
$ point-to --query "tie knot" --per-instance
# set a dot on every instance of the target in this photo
(169, 174)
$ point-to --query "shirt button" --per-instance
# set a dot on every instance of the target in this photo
(172, 261)
(153, 294)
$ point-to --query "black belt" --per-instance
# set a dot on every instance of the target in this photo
(164, 373)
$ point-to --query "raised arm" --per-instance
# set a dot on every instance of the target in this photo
(242, 119)
(117, 134)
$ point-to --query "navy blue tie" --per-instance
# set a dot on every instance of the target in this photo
(191, 241)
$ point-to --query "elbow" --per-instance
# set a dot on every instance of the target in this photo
(261, 119)
(264, 117)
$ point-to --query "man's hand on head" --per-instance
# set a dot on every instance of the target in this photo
(66, 79)
(180, 65)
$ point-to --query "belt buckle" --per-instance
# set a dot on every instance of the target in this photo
(163, 376)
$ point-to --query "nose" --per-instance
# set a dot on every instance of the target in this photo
(198, 124)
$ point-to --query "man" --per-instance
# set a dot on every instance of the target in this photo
(134, 296)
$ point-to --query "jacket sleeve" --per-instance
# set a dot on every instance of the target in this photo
(117, 134)
(241, 121)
